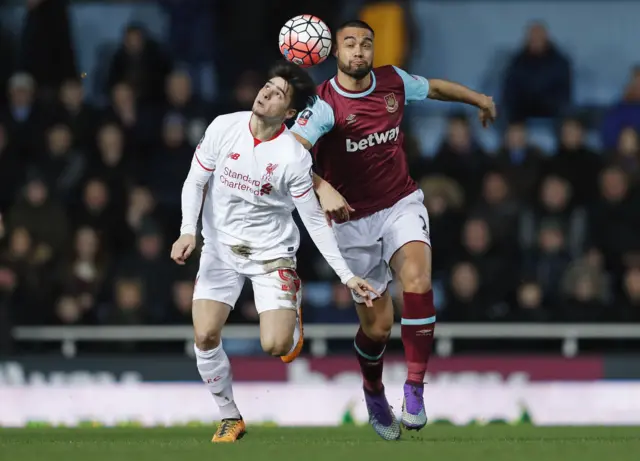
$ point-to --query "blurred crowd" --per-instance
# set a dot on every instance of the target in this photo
(90, 194)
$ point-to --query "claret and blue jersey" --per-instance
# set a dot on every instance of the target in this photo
(357, 139)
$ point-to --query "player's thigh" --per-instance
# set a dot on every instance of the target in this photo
(377, 321)
(361, 247)
(217, 288)
(407, 244)
(278, 297)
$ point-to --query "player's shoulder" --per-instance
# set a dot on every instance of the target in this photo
(291, 149)
(388, 75)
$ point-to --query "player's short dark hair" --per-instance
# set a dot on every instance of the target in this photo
(357, 23)
(304, 88)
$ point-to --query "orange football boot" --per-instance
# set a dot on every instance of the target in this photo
(229, 430)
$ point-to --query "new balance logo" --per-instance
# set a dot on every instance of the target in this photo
(266, 189)
(234, 156)
(373, 140)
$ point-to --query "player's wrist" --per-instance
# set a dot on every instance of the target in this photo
(188, 230)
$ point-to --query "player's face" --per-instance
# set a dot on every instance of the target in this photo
(354, 51)
(273, 100)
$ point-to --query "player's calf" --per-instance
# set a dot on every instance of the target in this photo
(212, 361)
(412, 263)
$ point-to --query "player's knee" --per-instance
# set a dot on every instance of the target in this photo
(380, 330)
(277, 347)
(416, 281)
(207, 340)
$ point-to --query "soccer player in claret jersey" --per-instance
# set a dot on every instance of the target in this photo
(256, 173)
(354, 131)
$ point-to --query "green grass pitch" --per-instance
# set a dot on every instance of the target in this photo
(347, 443)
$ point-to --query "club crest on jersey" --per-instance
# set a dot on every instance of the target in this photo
(304, 117)
(392, 103)
(270, 168)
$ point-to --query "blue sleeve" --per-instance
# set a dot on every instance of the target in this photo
(314, 121)
(416, 88)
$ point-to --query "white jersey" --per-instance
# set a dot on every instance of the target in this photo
(253, 187)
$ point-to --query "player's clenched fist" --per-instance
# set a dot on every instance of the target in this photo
(182, 248)
(363, 289)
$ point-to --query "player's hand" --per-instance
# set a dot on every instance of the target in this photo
(363, 289)
(488, 112)
(182, 248)
(334, 205)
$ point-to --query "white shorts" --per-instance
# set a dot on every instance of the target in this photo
(222, 273)
(369, 243)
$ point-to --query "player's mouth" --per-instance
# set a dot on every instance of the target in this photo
(359, 63)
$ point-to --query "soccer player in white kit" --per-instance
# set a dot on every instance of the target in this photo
(256, 173)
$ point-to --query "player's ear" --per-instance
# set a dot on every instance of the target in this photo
(290, 113)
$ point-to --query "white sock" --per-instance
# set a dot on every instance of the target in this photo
(215, 370)
(296, 337)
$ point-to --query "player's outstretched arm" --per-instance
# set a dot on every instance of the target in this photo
(443, 90)
(313, 219)
(192, 197)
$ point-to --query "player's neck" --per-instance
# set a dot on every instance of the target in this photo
(352, 84)
(262, 129)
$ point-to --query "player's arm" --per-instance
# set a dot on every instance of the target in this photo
(311, 124)
(202, 167)
(312, 216)
(418, 88)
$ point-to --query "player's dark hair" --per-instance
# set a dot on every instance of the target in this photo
(304, 88)
(357, 23)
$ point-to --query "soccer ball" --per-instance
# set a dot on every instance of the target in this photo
(305, 40)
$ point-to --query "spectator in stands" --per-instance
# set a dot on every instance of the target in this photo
(501, 211)
(627, 155)
(584, 298)
(47, 48)
(465, 299)
(172, 161)
(43, 217)
(12, 171)
(629, 298)
(549, 260)
(75, 112)
(538, 80)
(24, 117)
(125, 111)
(112, 164)
(522, 163)
(625, 113)
(182, 102)
(182, 298)
(32, 292)
(530, 304)
(83, 275)
(141, 63)
(96, 210)
(615, 218)
(339, 310)
(461, 159)
(444, 199)
(129, 307)
(479, 248)
(149, 264)
(69, 312)
(62, 165)
(576, 163)
(554, 205)
(8, 60)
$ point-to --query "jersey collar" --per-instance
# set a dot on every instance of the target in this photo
(350, 94)
(257, 141)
